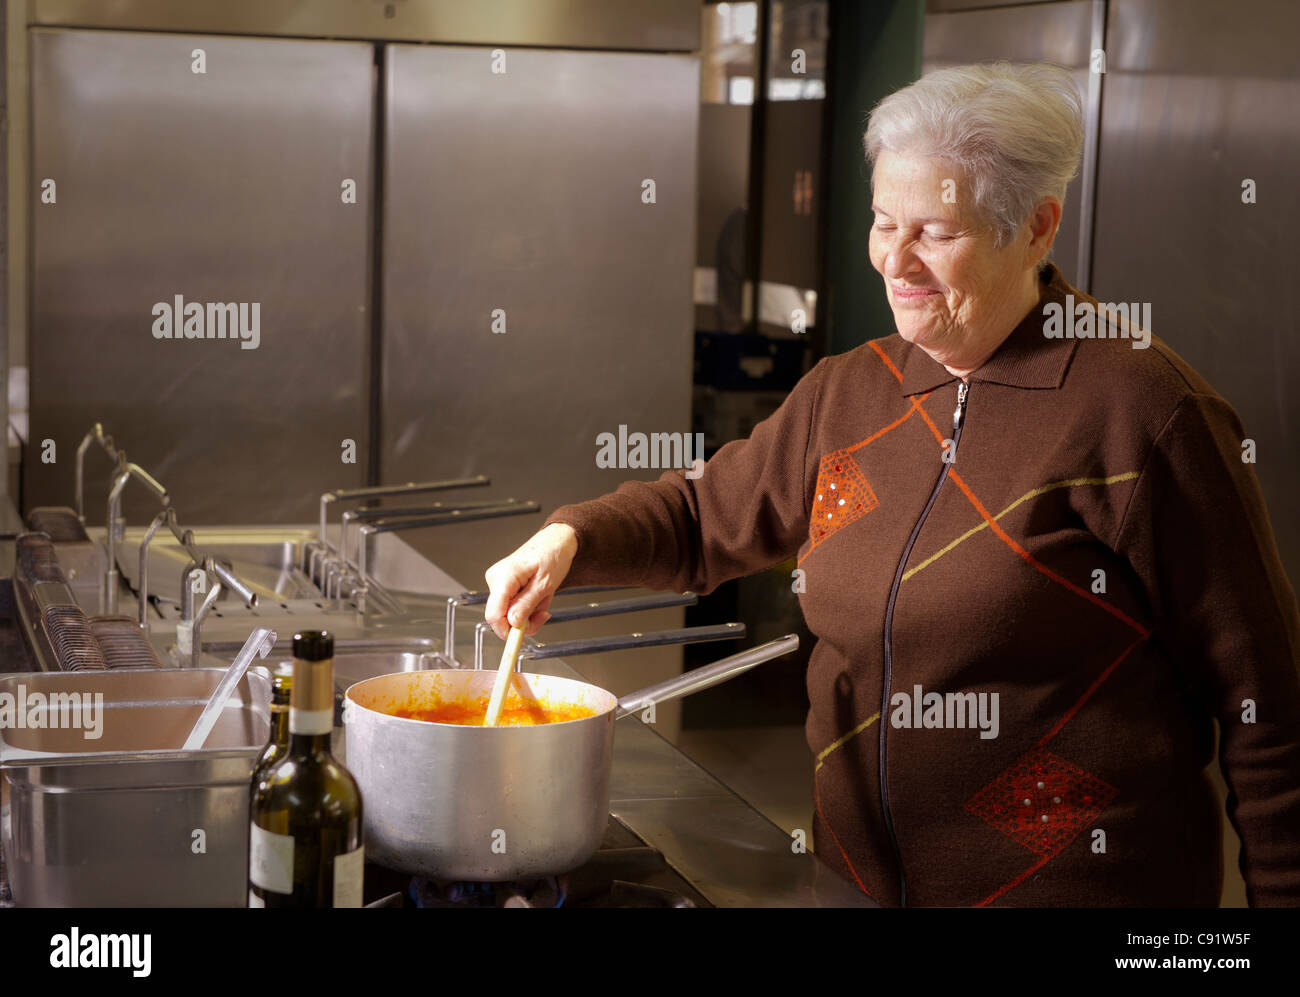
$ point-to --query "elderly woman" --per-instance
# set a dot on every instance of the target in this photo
(1037, 565)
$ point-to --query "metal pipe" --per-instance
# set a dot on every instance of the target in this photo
(623, 642)
(334, 569)
(617, 642)
(321, 551)
(125, 471)
(637, 604)
(149, 481)
(196, 642)
(589, 610)
(449, 633)
(436, 519)
(218, 576)
(168, 514)
(187, 591)
(402, 512)
(477, 598)
(381, 491)
(232, 581)
(96, 434)
(185, 626)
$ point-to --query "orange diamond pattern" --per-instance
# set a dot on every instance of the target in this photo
(843, 496)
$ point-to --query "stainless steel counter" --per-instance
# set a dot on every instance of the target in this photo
(725, 848)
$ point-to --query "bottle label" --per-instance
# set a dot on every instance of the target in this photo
(348, 870)
(311, 721)
(270, 860)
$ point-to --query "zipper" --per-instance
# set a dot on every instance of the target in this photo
(958, 418)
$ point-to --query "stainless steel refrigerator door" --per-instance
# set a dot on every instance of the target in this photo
(1201, 98)
(517, 200)
(658, 25)
(1049, 32)
(221, 186)
(519, 197)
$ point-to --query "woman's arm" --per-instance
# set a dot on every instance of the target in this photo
(1197, 533)
(747, 511)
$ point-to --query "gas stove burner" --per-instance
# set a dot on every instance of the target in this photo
(622, 894)
(626, 872)
(550, 891)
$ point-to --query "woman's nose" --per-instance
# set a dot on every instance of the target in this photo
(900, 259)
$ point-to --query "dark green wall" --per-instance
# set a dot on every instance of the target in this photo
(875, 50)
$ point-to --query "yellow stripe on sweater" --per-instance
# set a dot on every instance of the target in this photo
(839, 742)
(1068, 483)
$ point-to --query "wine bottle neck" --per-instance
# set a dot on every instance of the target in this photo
(309, 744)
(311, 707)
(311, 722)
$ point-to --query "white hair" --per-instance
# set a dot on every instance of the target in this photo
(1014, 132)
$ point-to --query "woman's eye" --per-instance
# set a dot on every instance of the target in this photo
(940, 236)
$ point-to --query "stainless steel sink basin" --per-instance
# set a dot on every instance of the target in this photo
(106, 814)
(267, 559)
(350, 668)
(355, 666)
(355, 659)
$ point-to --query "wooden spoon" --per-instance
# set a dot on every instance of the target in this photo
(508, 658)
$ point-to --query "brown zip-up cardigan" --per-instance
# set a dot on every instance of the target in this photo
(1097, 554)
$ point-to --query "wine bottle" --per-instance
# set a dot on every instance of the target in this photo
(305, 847)
(278, 745)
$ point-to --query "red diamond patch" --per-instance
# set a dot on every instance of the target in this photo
(1042, 800)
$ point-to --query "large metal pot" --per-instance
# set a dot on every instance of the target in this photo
(494, 804)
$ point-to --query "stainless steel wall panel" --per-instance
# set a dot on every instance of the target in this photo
(220, 187)
(522, 191)
(660, 25)
(1050, 32)
(1200, 97)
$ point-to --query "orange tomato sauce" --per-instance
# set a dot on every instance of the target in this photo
(515, 713)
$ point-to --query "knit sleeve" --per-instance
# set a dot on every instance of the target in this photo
(747, 511)
(1197, 533)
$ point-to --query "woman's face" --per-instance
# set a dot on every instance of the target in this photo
(949, 286)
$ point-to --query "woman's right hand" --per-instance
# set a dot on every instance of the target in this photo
(522, 585)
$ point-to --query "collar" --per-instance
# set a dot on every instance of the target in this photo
(1026, 358)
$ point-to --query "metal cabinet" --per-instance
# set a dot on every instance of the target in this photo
(221, 187)
(1050, 32)
(516, 200)
(1199, 99)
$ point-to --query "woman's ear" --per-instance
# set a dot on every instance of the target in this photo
(1043, 224)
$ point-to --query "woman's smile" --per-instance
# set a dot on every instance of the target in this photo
(911, 295)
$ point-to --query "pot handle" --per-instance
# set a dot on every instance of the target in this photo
(699, 679)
